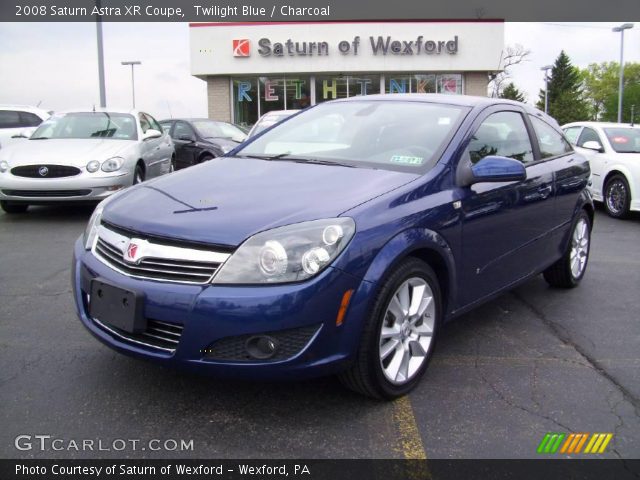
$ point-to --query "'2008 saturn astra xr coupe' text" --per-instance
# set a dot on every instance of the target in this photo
(338, 241)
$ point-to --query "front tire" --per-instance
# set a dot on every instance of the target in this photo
(138, 175)
(617, 196)
(398, 339)
(569, 270)
(13, 208)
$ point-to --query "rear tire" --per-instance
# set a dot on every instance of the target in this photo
(13, 208)
(570, 269)
(617, 196)
(404, 340)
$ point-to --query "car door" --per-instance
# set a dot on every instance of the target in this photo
(505, 225)
(165, 149)
(184, 139)
(597, 159)
(150, 148)
(570, 169)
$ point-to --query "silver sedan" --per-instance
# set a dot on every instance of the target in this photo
(83, 156)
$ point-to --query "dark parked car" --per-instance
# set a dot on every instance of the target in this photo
(339, 241)
(199, 139)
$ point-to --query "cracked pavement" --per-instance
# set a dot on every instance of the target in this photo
(532, 361)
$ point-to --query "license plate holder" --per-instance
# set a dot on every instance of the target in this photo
(117, 307)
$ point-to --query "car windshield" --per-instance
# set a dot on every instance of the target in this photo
(209, 129)
(392, 135)
(624, 140)
(119, 126)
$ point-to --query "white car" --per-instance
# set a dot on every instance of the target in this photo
(269, 119)
(83, 156)
(19, 121)
(613, 150)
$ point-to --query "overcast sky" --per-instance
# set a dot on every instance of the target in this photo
(55, 64)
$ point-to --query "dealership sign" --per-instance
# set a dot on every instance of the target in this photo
(379, 45)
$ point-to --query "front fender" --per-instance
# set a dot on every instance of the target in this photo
(423, 243)
(630, 173)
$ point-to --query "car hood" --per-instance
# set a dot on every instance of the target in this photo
(67, 151)
(221, 142)
(227, 200)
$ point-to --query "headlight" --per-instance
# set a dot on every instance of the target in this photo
(226, 148)
(112, 164)
(287, 254)
(92, 227)
(4, 166)
(93, 166)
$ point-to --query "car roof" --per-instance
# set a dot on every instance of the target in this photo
(463, 100)
(23, 108)
(101, 110)
(600, 124)
(200, 119)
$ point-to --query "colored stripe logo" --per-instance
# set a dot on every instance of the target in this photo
(573, 443)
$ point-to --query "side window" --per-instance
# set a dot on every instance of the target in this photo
(182, 130)
(551, 142)
(166, 127)
(28, 119)
(144, 123)
(9, 119)
(503, 134)
(588, 135)
(153, 123)
(572, 134)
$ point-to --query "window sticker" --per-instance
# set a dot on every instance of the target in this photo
(407, 160)
(620, 139)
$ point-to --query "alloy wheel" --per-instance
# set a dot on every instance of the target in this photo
(407, 330)
(616, 197)
(579, 248)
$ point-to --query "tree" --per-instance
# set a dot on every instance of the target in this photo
(510, 56)
(601, 83)
(566, 98)
(511, 92)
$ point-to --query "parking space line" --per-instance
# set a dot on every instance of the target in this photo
(410, 440)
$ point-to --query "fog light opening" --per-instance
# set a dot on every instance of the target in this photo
(261, 347)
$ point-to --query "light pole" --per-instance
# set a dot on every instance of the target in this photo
(546, 69)
(621, 29)
(133, 85)
(103, 95)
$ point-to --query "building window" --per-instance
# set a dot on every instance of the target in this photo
(331, 87)
(423, 83)
(245, 101)
(255, 96)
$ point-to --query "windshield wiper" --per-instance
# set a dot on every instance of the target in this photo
(40, 138)
(286, 156)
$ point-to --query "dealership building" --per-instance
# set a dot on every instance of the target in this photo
(251, 69)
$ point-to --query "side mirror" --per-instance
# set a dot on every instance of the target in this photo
(151, 133)
(187, 138)
(492, 169)
(593, 145)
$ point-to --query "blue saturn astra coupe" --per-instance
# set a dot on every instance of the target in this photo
(338, 241)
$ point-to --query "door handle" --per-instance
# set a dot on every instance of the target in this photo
(544, 190)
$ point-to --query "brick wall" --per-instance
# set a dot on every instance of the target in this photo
(218, 98)
(475, 83)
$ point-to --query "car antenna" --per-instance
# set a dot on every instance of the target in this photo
(633, 108)
(94, 108)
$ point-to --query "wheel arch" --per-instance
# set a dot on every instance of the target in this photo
(619, 170)
(206, 153)
(426, 245)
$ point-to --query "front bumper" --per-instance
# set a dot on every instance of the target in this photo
(84, 187)
(211, 313)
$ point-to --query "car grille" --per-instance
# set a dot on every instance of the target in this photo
(52, 171)
(156, 261)
(159, 335)
(47, 193)
(290, 343)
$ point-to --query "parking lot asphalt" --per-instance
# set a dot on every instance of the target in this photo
(533, 361)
